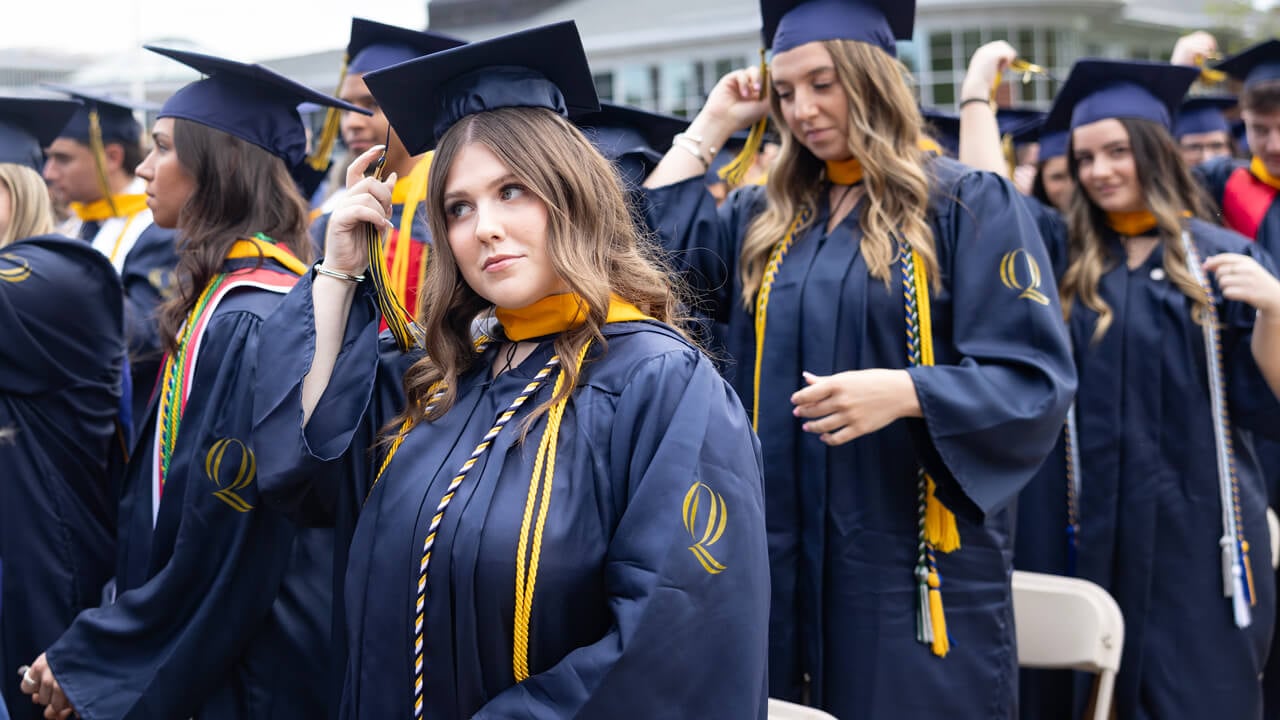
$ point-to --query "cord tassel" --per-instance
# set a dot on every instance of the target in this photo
(940, 643)
(939, 522)
(924, 614)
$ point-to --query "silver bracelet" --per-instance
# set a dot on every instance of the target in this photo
(338, 275)
(681, 142)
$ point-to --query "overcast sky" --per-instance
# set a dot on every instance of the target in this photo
(241, 29)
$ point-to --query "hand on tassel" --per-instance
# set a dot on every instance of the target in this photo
(368, 200)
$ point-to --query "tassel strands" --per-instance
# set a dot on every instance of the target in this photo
(406, 332)
(1073, 491)
(734, 173)
(936, 525)
(1237, 573)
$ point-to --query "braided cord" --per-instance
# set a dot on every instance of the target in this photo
(762, 301)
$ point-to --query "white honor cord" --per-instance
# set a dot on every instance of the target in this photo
(1232, 566)
(1074, 445)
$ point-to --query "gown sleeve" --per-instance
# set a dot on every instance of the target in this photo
(1252, 404)
(681, 585)
(164, 646)
(147, 273)
(51, 337)
(996, 399)
(701, 240)
(305, 472)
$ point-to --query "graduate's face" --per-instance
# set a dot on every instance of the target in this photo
(169, 185)
(70, 172)
(1108, 173)
(497, 231)
(814, 104)
(1201, 147)
(1263, 131)
(1055, 175)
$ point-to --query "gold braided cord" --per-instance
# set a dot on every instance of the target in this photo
(762, 302)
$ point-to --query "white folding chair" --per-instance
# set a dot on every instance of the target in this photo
(1273, 525)
(783, 710)
(1069, 623)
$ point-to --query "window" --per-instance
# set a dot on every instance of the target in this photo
(604, 85)
(940, 52)
(639, 86)
(679, 88)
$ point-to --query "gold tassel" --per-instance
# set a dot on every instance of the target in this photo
(99, 151)
(939, 523)
(1248, 571)
(941, 643)
(736, 171)
(318, 160)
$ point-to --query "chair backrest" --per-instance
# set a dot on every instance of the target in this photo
(1273, 526)
(1066, 622)
(782, 710)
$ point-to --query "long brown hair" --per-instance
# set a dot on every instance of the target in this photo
(30, 211)
(885, 132)
(593, 242)
(1170, 193)
(240, 189)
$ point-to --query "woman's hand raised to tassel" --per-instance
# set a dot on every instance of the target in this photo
(368, 200)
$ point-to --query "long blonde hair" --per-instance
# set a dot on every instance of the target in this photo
(1170, 193)
(30, 210)
(593, 242)
(885, 133)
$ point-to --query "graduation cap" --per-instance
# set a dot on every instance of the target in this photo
(1053, 144)
(1022, 124)
(28, 125)
(247, 101)
(943, 127)
(1254, 65)
(115, 119)
(376, 45)
(544, 67)
(1203, 114)
(1104, 89)
(792, 23)
(1241, 136)
(633, 139)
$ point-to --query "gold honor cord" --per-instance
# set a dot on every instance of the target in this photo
(734, 173)
(1237, 572)
(406, 332)
(762, 302)
(99, 151)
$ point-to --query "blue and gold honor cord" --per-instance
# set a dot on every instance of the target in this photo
(1237, 574)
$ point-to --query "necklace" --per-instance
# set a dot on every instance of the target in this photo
(835, 206)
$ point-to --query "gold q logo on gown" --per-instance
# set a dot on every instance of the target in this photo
(705, 526)
(244, 473)
(19, 269)
(1022, 276)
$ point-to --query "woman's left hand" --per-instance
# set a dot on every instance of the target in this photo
(1242, 279)
(39, 683)
(845, 406)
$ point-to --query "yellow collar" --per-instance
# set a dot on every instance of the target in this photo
(1132, 224)
(1259, 170)
(101, 209)
(254, 247)
(557, 313)
(849, 172)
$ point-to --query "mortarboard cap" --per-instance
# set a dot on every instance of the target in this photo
(792, 23)
(246, 101)
(1203, 114)
(1241, 136)
(115, 116)
(28, 125)
(1256, 64)
(376, 45)
(1053, 144)
(543, 67)
(1104, 89)
(631, 138)
(1022, 123)
(943, 127)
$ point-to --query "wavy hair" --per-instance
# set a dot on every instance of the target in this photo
(594, 243)
(30, 210)
(885, 132)
(240, 189)
(1170, 193)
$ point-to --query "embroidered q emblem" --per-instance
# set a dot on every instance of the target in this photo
(244, 472)
(705, 518)
(1022, 276)
(13, 268)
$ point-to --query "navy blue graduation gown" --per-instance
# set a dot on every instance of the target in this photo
(146, 274)
(842, 520)
(625, 623)
(61, 358)
(1150, 513)
(214, 614)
